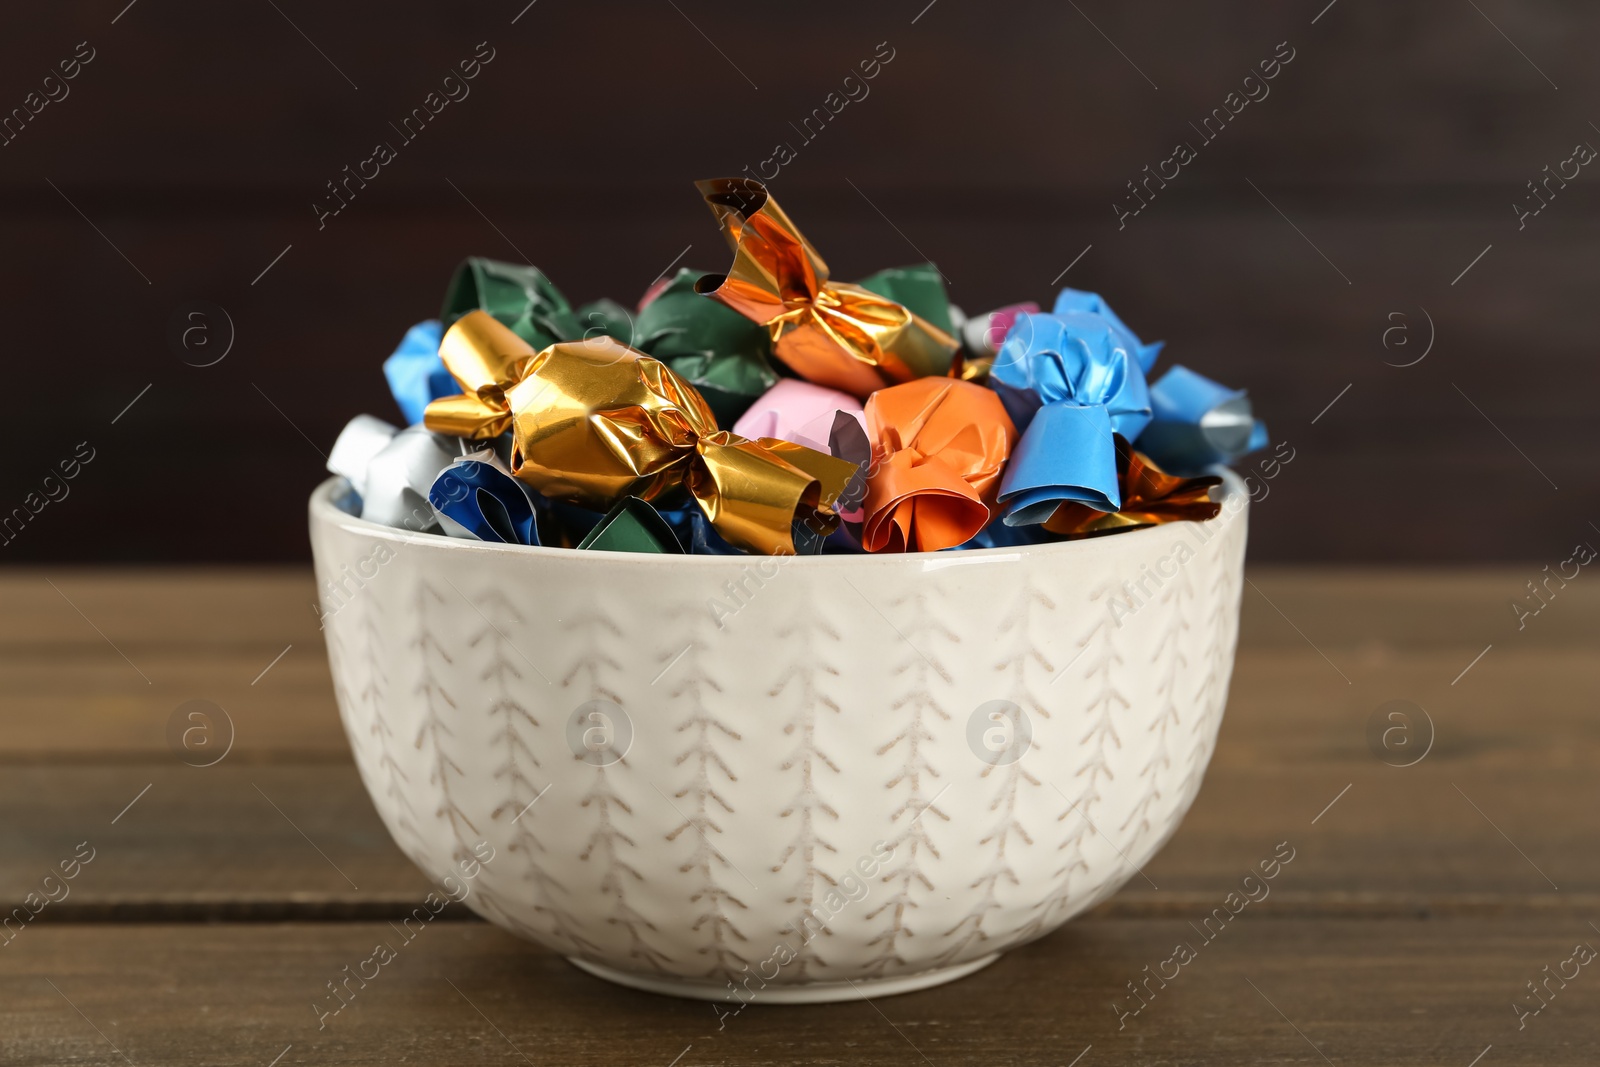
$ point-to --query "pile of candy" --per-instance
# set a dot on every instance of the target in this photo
(871, 416)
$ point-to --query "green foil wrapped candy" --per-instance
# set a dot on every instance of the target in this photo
(919, 287)
(722, 354)
(632, 526)
(606, 316)
(519, 296)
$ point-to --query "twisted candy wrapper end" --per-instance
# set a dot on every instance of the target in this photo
(1066, 454)
(807, 414)
(1075, 358)
(752, 491)
(486, 359)
(391, 470)
(1150, 497)
(477, 499)
(362, 438)
(719, 351)
(1198, 422)
(1077, 300)
(594, 422)
(939, 446)
(1071, 380)
(919, 288)
(835, 334)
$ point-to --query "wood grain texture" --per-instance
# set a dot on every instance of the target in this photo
(1264, 991)
(1387, 157)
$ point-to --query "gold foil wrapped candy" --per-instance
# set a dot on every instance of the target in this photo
(594, 422)
(832, 333)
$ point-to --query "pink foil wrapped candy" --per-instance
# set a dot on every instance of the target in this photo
(797, 411)
(802, 413)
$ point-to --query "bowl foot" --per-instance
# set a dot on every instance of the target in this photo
(815, 993)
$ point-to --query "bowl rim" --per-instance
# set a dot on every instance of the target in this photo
(323, 512)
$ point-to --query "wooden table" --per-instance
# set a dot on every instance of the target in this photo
(220, 900)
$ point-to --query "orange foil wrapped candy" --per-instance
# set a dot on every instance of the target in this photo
(594, 422)
(938, 448)
(832, 333)
(1150, 497)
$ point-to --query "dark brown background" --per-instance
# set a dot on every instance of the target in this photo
(996, 141)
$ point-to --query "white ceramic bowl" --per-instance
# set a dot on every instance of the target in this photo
(826, 788)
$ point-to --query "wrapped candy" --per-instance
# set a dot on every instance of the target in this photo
(595, 422)
(1197, 422)
(605, 316)
(690, 528)
(981, 338)
(1071, 381)
(835, 334)
(919, 289)
(938, 448)
(984, 334)
(890, 421)
(697, 536)
(1150, 496)
(632, 526)
(800, 412)
(999, 535)
(1072, 302)
(719, 352)
(518, 296)
(848, 441)
(415, 373)
(362, 438)
(810, 415)
(392, 470)
(477, 498)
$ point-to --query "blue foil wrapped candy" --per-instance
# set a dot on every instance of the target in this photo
(415, 372)
(1077, 301)
(1069, 380)
(1198, 422)
(477, 498)
(696, 534)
